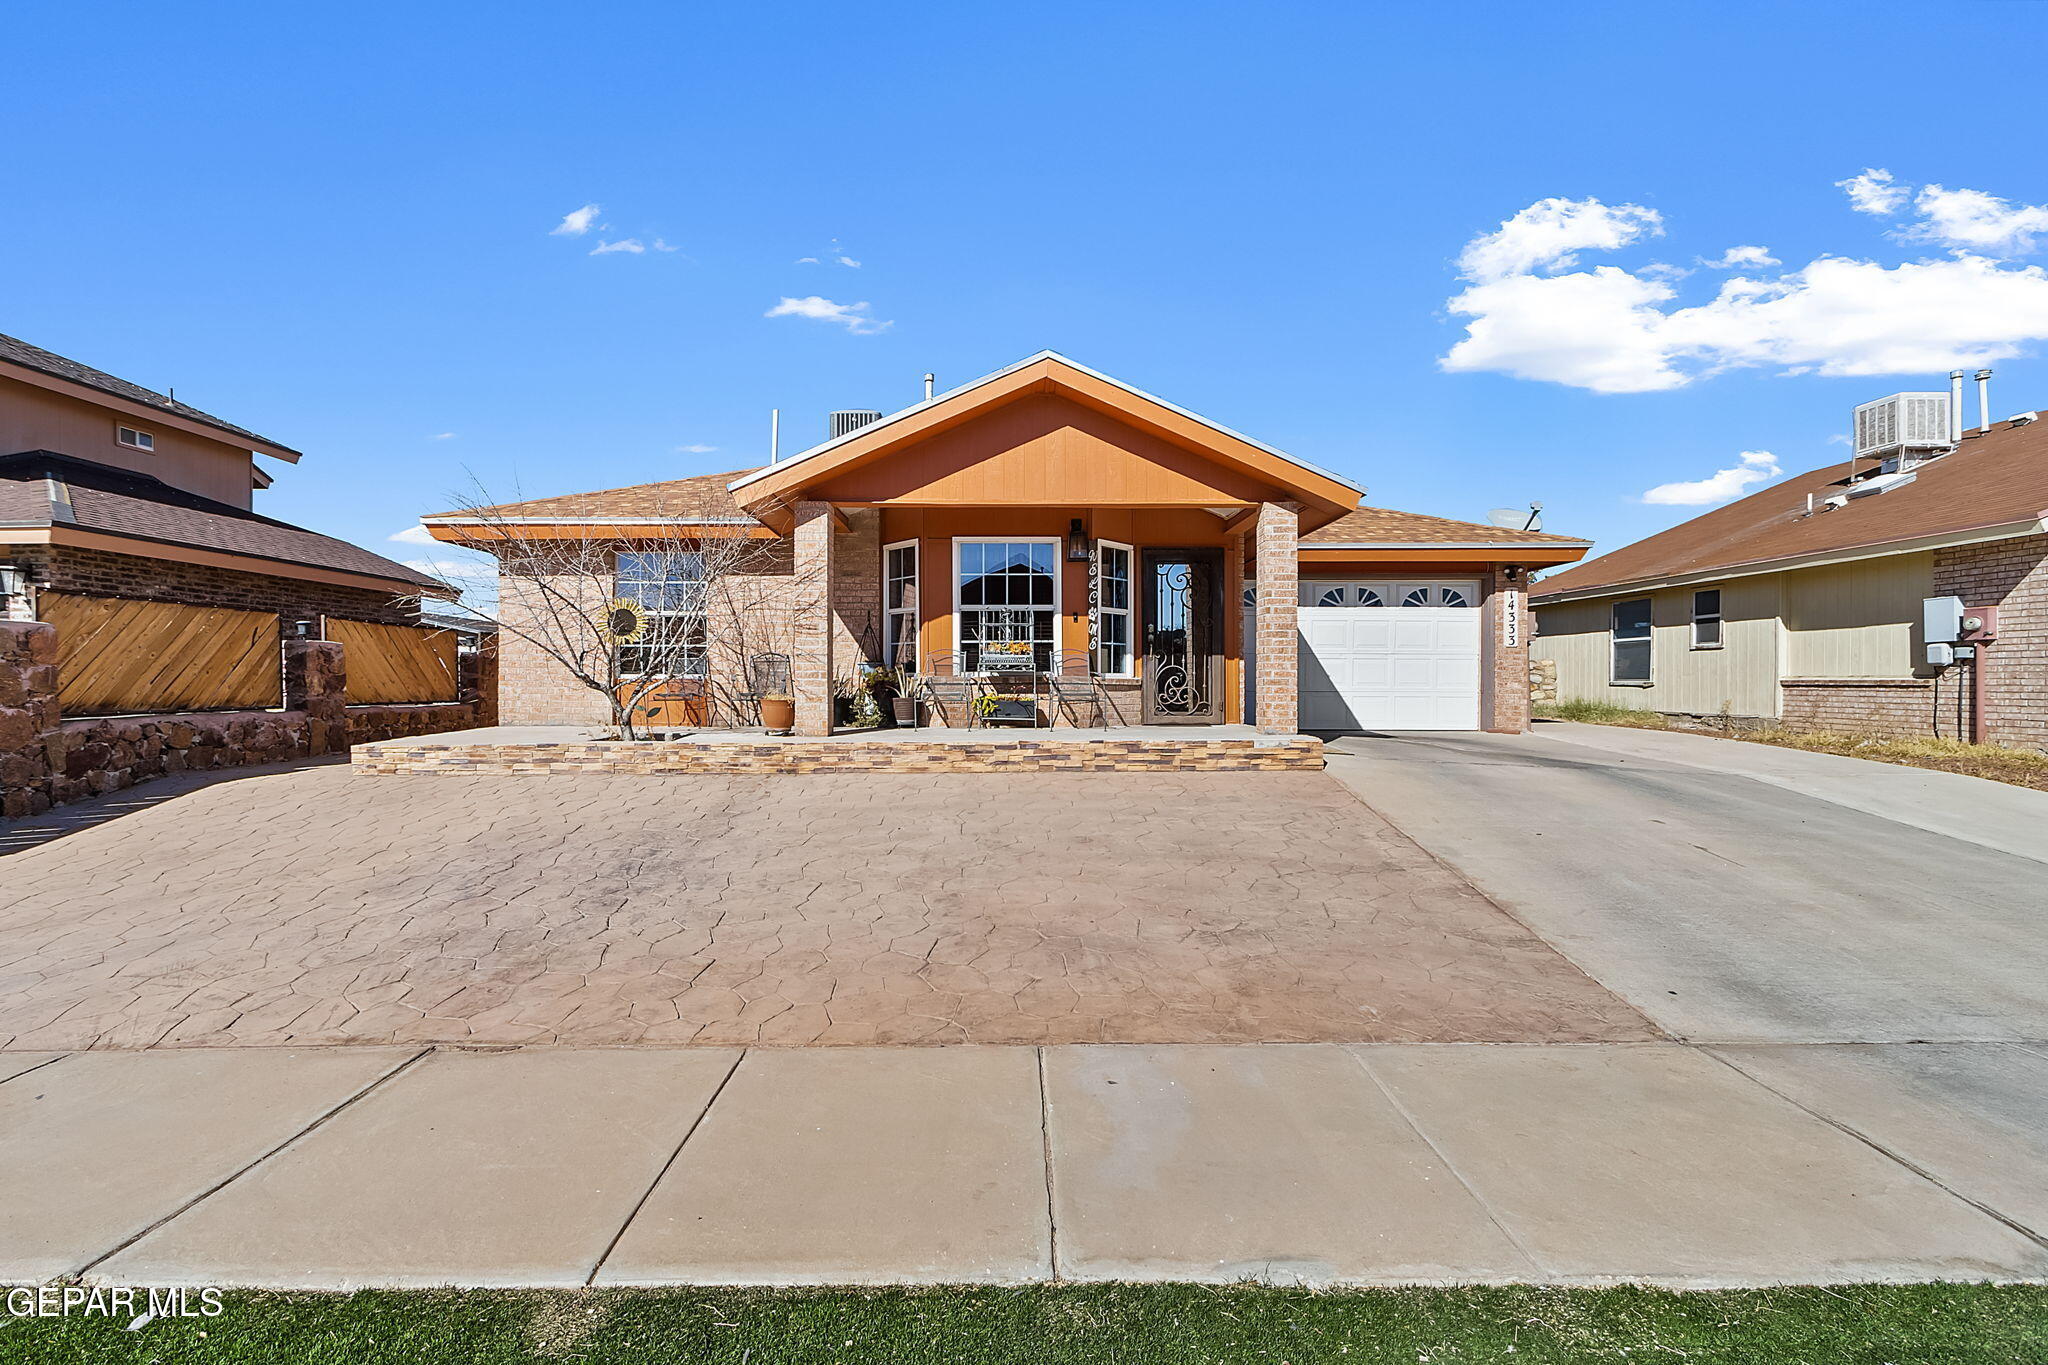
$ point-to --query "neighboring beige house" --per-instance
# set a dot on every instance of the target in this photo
(1802, 605)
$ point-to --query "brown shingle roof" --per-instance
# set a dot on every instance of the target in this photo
(18, 352)
(702, 496)
(1993, 480)
(41, 489)
(1380, 525)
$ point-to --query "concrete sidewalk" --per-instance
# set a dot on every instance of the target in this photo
(1317, 1163)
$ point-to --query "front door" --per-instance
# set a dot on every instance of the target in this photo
(1183, 637)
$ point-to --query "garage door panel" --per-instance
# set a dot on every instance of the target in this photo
(1390, 668)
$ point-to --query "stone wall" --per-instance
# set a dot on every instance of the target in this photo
(1542, 682)
(102, 573)
(48, 761)
(662, 758)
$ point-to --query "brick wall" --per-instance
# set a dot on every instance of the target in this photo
(811, 665)
(2011, 575)
(534, 688)
(101, 573)
(1893, 707)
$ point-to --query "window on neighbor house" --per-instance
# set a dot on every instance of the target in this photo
(133, 438)
(1706, 619)
(899, 604)
(669, 587)
(1113, 610)
(1007, 601)
(1631, 641)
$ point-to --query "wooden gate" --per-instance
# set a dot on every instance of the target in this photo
(392, 665)
(120, 657)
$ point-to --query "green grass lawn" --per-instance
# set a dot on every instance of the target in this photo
(1105, 1324)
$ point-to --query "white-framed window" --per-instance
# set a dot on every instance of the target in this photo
(1706, 619)
(1006, 599)
(1325, 593)
(1114, 657)
(669, 586)
(899, 605)
(134, 438)
(1629, 642)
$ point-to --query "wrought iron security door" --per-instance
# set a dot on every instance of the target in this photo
(1183, 629)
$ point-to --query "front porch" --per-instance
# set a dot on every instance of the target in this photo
(561, 749)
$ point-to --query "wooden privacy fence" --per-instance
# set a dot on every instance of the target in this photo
(119, 657)
(388, 665)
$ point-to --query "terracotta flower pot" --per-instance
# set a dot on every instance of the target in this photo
(778, 714)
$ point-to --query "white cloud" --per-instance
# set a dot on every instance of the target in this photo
(1615, 330)
(1873, 191)
(849, 262)
(628, 244)
(1742, 258)
(1751, 467)
(831, 255)
(855, 317)
(660, 245)
(695, 450)
(413, 535)
(1975, 221)
(472, 574)
(443, 436)
(1549, 234)
(807, 260)
(577, 223)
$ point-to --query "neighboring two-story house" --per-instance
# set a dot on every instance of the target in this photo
(108, 489)
(1804, 605)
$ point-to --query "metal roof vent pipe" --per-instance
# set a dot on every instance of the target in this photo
(1983, 402)
(1955, 407)
(838, 424)
(930, 380)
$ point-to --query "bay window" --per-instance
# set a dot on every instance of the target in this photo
(1006, 600)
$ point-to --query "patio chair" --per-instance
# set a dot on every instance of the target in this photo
(951, 692)
(767, 676)
(1074, 686)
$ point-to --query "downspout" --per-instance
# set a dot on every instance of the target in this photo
(1978, 728)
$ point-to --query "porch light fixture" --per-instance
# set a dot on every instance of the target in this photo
(305, 630)
(1077, 541)
(1512, 573)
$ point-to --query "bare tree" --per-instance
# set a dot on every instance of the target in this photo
(675, 601)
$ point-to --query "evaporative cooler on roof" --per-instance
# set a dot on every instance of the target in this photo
(1904, 422)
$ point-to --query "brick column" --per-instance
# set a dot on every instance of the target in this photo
(316, 682)
(810, 664)
(1504, 668)
(1279, 671)
(31, 737)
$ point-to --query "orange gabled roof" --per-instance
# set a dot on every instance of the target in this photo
(1325, 496)
(1994, 485)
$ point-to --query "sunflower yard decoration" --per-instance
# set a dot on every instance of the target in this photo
(625, 621)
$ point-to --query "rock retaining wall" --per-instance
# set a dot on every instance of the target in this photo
(47, 761)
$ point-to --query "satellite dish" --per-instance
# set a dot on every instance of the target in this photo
(1515, 519)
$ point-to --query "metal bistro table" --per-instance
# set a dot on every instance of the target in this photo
(1009, 675)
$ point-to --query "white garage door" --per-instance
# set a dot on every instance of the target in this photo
(1390, 655)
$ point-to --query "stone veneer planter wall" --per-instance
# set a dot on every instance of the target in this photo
(652, 758)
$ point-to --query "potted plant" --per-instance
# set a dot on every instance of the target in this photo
(778, 713)
(890, 688)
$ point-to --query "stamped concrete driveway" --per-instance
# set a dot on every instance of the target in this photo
(319, 905)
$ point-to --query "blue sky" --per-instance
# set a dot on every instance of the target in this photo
(335, 226)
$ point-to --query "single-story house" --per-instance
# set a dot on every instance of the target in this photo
(1200, 576)
(111, 490)
(1803, 605)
